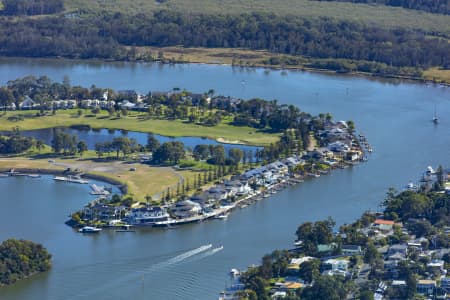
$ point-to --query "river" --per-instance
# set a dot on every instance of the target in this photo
(170, 264)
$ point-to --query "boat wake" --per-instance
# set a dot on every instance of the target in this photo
(177, 259)
(188, 254)
(196, 254)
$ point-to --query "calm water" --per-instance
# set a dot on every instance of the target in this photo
(160, 264)
(91, 137)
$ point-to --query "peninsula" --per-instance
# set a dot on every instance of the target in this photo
(167, 183)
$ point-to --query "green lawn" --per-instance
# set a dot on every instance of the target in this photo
(373, 14)
(135, 122)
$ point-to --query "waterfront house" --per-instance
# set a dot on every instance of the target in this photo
(426, 286)
(338, 146)
(204, 200)
(147, 215)
(383, 225)
(102, 212)
(292, 161)
(278, 167)
(186, 209)
(236, 187)
(218, 192)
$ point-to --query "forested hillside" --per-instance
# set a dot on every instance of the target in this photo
(365, 41)
(32, 7)
(433, 6)
(103, 36)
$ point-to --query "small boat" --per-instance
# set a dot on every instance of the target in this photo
(4, 175)
(89, 229)
(298, 243)
(222, 216)
(34, 175)
(435, 117)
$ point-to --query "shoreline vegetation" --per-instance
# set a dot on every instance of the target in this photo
(21, 259)
(246, 58)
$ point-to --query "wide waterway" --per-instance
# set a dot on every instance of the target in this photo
(160, 264)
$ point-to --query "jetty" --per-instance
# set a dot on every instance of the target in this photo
(71, 178)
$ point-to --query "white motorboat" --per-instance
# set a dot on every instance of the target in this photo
(89, 229)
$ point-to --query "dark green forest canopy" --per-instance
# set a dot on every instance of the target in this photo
(31, 7)
(104, 36)
(20, 259)
(432, 6)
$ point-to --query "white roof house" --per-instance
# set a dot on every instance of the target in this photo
(186, 208)
(27, 103)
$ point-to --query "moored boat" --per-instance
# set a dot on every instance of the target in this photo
(89, 229)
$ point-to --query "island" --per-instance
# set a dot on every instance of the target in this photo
(20, 259)
(255, 148)
(402, 252)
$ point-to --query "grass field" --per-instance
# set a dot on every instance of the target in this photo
(145, 180)
(378, 15)
(133, 122)
(438, 75)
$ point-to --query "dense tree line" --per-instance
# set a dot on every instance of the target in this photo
(432, 6)
(434, 207)
(118, 145)
(105, 35)
(67, 144)
(55, 37)
(31, 7)
(20, 259)
(15, 144)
